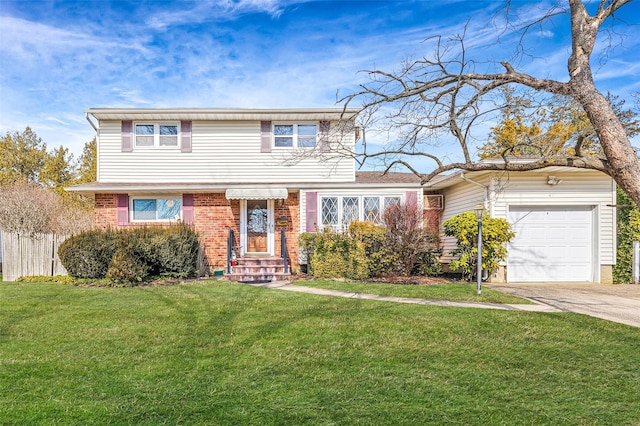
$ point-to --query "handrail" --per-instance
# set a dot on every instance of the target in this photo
(230, 253)
(283, 249)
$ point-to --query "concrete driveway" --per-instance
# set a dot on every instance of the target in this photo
(619, 303)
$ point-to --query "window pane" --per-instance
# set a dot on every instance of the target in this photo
(283, 130)
(330, 211)
(350, 211)
(168, 141)
(306, 142)
(144, 209)
(144, 140)
(391, 201)
(168, 130)
(307, 129)
(169, 209)
(371, 206)
(284, 142)
(144, 129)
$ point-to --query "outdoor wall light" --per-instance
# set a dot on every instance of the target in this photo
(552, 180)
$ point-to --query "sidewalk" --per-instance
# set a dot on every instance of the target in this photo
(284, 285)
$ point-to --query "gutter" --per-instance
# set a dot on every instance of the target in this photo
(485, 187)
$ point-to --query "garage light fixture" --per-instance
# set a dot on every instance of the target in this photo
(552, 180)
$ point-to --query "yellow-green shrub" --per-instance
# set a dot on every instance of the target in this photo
(495, 233)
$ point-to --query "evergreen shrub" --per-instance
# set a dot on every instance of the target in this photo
(134, 255)
(88, 254)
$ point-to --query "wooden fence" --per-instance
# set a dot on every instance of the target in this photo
(23, 255)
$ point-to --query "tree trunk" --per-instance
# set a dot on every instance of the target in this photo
(623, 162)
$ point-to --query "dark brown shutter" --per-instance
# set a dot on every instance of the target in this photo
(188, 215)
(325, 127)
(123, 209)
(127, 136)
(185, 136)
(311, 214)
(265, 136)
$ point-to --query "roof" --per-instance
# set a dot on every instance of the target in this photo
(222, 113)
(389, 177)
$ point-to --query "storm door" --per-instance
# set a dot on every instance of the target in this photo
(258, 226)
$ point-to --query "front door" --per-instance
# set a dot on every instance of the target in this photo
(258, 226)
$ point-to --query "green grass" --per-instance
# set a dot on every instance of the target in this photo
(460, 292)
(224, 353)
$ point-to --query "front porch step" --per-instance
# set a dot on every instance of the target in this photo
(258, 269)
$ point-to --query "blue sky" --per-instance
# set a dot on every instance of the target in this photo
(58, 58)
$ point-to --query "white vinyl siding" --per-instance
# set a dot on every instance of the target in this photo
(222, 151)
(460, 198)
(580, 188)
(586, 189)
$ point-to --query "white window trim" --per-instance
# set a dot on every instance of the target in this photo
(154, 197)
(295, 134)
(156, 134)
(361, 215)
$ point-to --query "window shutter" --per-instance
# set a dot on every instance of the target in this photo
(325, 126)
(185, 136)
(265, 136)
(127, 136)
(123, 209)
(188, 215)
(411, 199)
(311, 211)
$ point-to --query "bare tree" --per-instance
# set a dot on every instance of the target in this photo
(444, 95)
(27, 208)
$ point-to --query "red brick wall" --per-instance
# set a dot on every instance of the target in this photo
(213, 215)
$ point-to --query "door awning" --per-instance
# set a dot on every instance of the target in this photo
(256, 194)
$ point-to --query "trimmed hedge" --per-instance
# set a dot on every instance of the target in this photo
(88, 254)
(132, 255)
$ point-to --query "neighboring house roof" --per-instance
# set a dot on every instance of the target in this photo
(390, 177)
(197, 114)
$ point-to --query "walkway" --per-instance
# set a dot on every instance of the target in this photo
(618, 303)
(283, 285)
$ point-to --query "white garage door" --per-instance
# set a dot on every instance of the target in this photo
(551, 244)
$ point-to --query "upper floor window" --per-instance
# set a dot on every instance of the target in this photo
(156, 135)
(295, 135)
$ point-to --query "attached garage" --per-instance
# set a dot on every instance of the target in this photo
(552, 243)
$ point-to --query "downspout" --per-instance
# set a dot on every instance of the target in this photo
(485, 187)
(86, 115)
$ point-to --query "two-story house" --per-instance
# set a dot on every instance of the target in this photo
(251, 181)
(252, 172)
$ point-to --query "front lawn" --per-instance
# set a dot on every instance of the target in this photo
(224, 353)
(460, 292)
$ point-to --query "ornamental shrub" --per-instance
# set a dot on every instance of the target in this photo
(337, 254)
(495, 234)
(88, 254)
(411, 248)
(134, 255)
